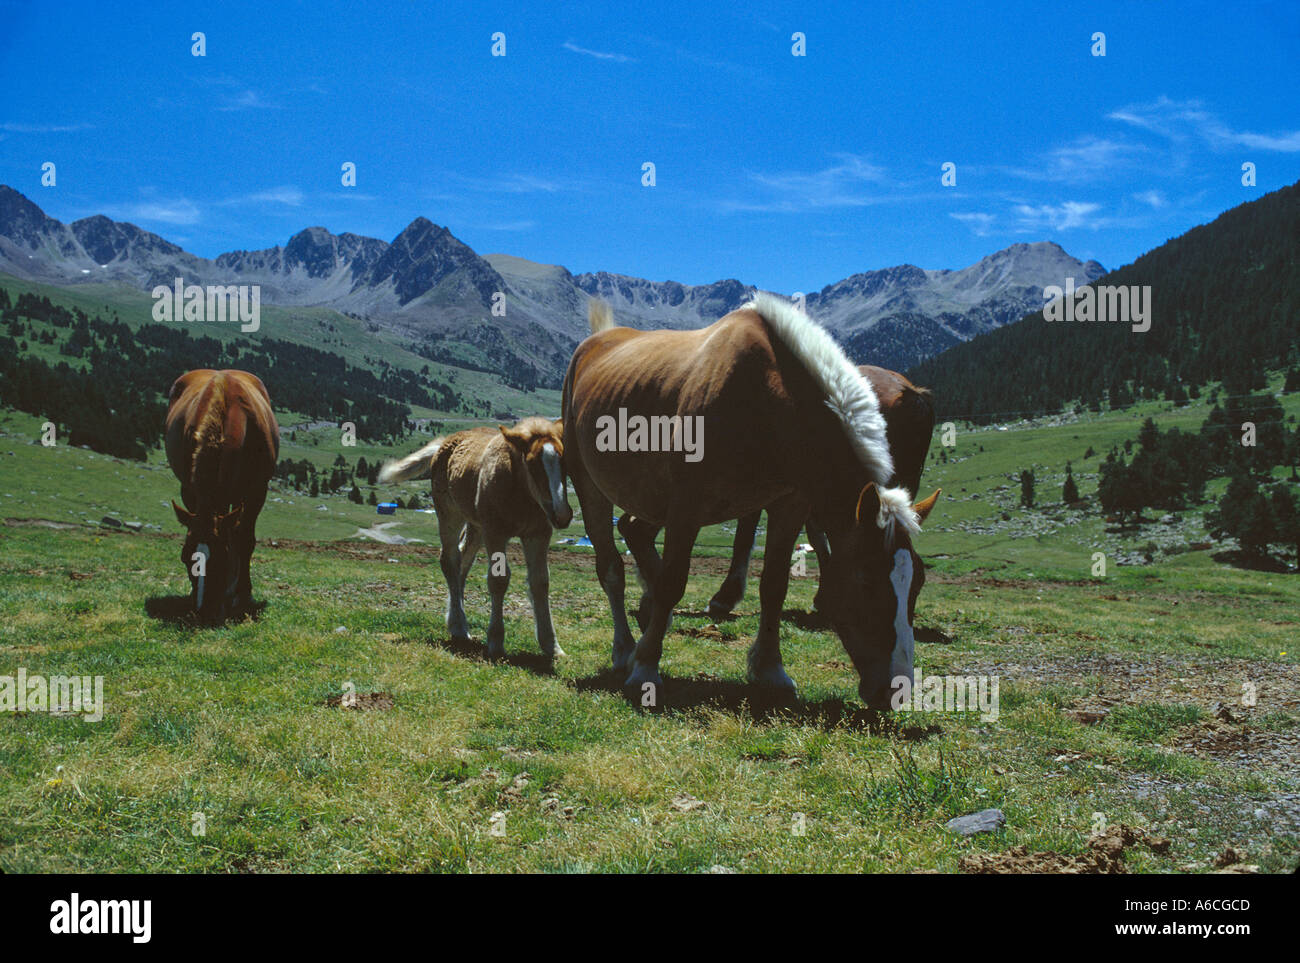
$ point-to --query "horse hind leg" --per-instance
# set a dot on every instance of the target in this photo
(640, 537)
(539, 590)
(470, 540)
(817, 539)
(450, 526)
(732, 590)
(498, 584)
(765, 667)
(597, 517)
(644, 682)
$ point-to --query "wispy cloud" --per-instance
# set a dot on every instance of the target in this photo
(506, 184)
(179, 211)
(1086, 159)
(1152, 199)
(247, 100)
(598, 54)
(1058, 217)
(44, 128)
(1184, 119)
(981, 224)
(512, 226)
(287, 195)
(844, 184)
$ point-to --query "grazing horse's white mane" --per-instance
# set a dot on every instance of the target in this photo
(850, 396)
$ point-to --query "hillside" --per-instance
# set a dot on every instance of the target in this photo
(1225, 306)
(433, 291)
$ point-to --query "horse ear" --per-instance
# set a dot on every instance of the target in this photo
(922, 508)
(186, 518)
(227, 523)
(512, 436)
(868, 504)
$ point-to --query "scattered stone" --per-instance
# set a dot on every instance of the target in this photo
(984, 821)
(361, 701)
(719, 870)
(684, 803)
(1105, 855)
(135, 526)
(108, 521)
(1228, 857)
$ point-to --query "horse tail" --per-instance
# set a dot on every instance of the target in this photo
(600, 314)
(418, 464)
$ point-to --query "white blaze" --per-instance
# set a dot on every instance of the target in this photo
(555, 477)
(901, 660)
(202, 550)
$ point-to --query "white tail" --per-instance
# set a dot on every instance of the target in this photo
(418, 464)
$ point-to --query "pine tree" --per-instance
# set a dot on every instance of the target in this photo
(1069, 491)
(1027, 488)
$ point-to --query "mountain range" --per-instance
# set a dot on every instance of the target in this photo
(431, 287)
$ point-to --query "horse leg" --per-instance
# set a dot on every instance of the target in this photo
(539, 588)
(668, 591)
(470, 539)
(450, 524)
(817, 539)
(247, 540)
(498, 582)
(597, 517)
(784, 521)
(640, 537)
(732, 589)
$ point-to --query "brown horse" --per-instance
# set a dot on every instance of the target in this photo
(783, 422)
(222, 443)
(909, 423)
(489, 486)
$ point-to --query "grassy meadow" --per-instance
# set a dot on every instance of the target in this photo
(228, 749)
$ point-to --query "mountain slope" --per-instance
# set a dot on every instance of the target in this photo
(1225, 306)
(434, 289)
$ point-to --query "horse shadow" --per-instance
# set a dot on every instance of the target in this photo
(178, 611)
(473, 651)
(684, 695)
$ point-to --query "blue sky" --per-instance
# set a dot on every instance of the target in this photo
(787, 172)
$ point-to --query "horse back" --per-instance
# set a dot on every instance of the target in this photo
(222, 437)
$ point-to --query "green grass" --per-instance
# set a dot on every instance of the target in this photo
(233, 723)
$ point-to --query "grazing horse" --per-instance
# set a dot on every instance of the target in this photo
(489, 486)
(788, 426)
(222, 443)
(909, 423)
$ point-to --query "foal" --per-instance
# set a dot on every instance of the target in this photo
(489, 486)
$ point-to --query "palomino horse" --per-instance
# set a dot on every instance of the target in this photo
(489, 486)
(222, 443)
(909, 423)
(788, 425)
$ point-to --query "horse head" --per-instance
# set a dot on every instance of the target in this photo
(871, 587)
(211, 560)
(540, 443)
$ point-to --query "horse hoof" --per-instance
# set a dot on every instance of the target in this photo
(644, 686)
(775, 683)
(718, 609)
(553, 651)
(497, 651)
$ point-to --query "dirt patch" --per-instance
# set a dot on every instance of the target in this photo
(361, 701)
(37, 523)
(1105, 855)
